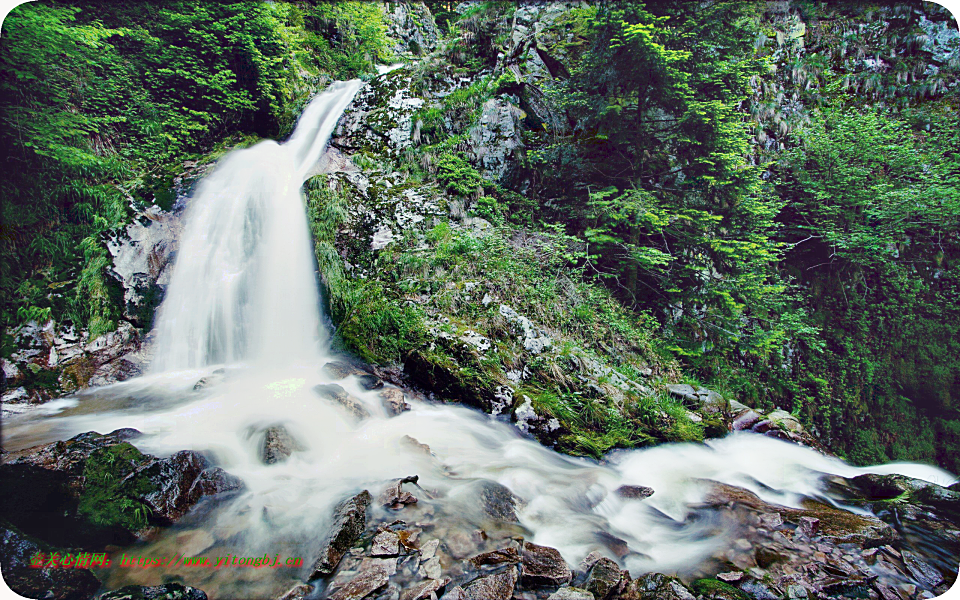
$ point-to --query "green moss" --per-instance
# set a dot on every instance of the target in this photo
(108, 499)
(714, 589)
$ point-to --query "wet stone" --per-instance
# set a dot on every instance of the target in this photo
(338, 369)
(604, 579)
(278, 444)
(921, 571)
(634, 492)
(385, 543)
(746, 420)
(656, 586)
(809, 526)
(413, 444)
(498, 502)
(542, 565)
(297, 592)
(496, 557)
(492, 587)
(335, 393)
(370, 382)
(393, 401)
(429, 549)
(350, 519)
(430, 568)
(365, 583)
(422, 591)
(731, 577)
(571, 593)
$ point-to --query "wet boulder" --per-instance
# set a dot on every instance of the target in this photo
(491, 587)
(393, 401)
(338, 369)
(366, 582)
(277, 445)
(370, 382)
(495, 558)
(167, 591)
(394, 496)
(337, 394)
(605, 579)
(97, 489)
(634, 492)
(212, 379)
(543, 566)
(349, 521)
(498, 502)
(424, 590)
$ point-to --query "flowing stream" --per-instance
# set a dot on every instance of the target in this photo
(244, 299)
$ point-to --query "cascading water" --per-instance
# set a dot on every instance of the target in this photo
(244, 296)
(243, 288)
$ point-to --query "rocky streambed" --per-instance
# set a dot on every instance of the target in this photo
(450, 530)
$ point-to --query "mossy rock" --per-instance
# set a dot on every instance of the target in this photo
(714, 589)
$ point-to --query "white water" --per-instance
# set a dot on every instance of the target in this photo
(244, 295)
(243, 289)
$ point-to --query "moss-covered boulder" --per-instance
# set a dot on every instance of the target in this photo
(98, 489)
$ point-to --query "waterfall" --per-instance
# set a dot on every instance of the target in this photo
(244, 295)
(243, 289)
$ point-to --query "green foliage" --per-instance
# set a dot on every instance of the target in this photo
(872, 222)
(101, 104)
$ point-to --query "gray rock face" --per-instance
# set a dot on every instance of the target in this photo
(534, 339)
(349, 520)
(496, 138)
(412, 25)
(542, 565)
(700, 398)
(380, 117)
(143, 254)
(167, 591)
